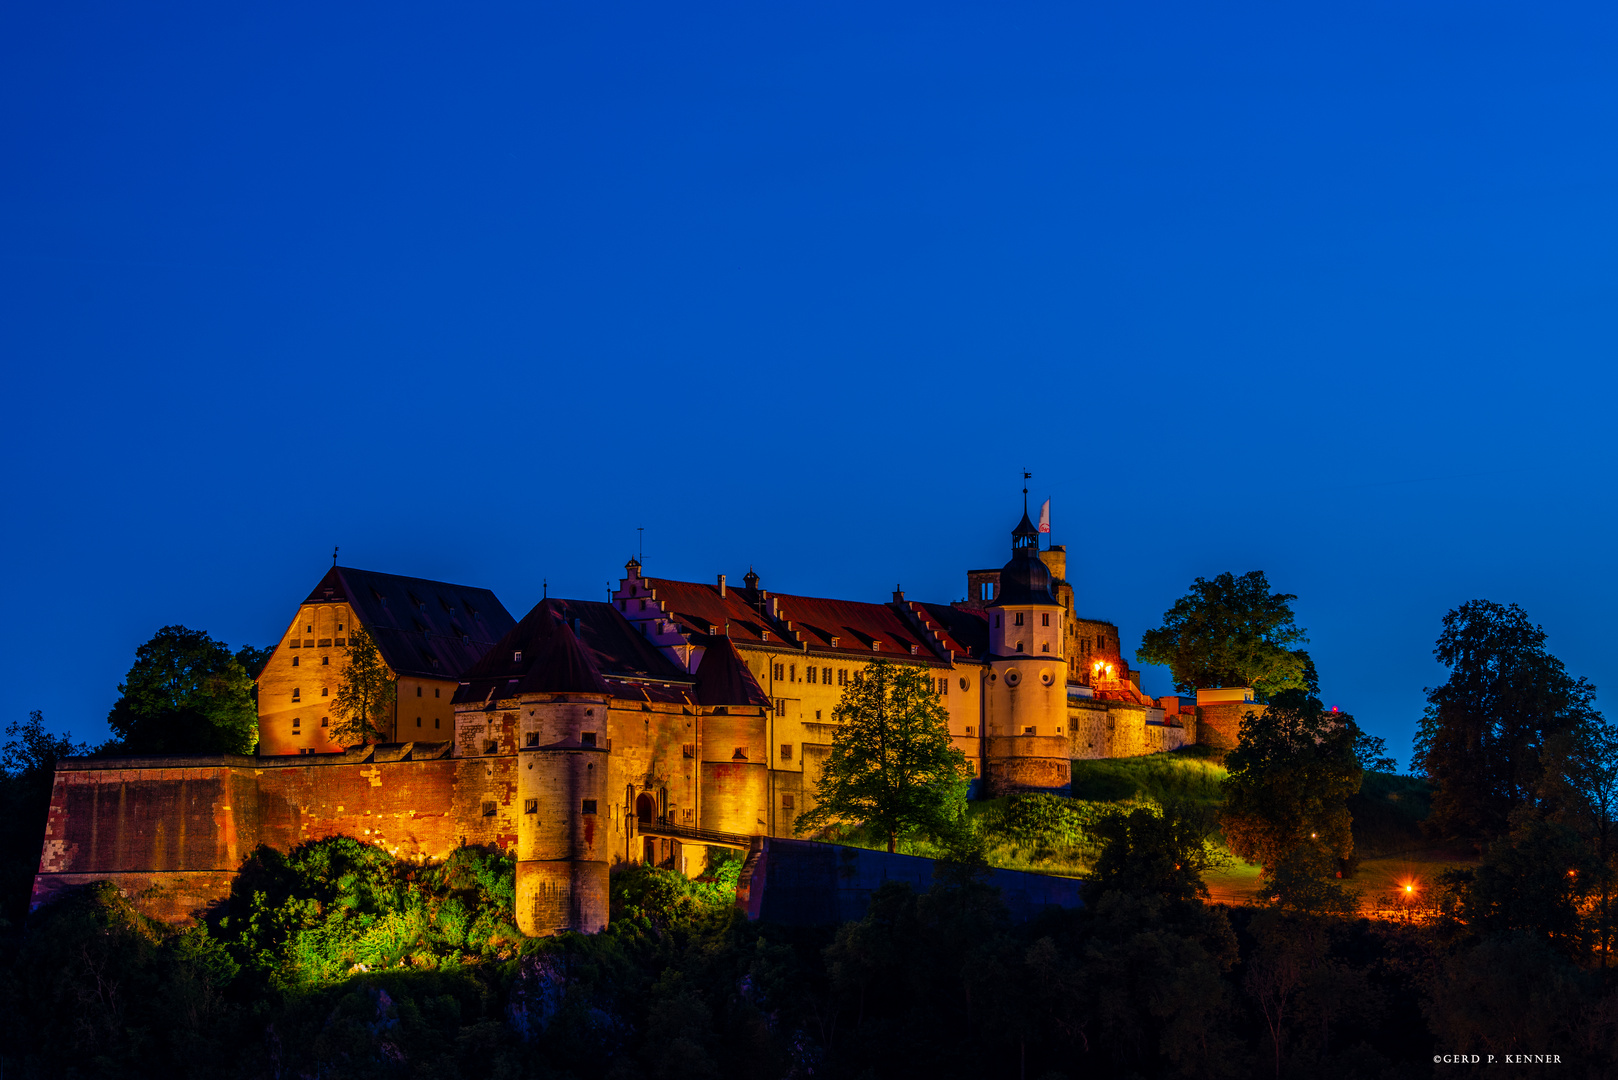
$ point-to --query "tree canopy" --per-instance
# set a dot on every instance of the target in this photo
(185, 693)
(1291, 774)
(1231, 631)
(1487, 731)
(892, 764)
(365, 693)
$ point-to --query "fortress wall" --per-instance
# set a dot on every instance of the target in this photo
(1088, 733)
(1219, 724)
(171, 832)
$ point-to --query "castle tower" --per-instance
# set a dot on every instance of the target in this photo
(562, 833)
(734, 743)
(1027, 746)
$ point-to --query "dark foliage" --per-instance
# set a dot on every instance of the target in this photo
(26, 774)
(1484, 736)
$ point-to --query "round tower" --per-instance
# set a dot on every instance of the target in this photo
(1027, 746)
(562, 833)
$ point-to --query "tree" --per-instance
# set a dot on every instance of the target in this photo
(892, 764)
(1231, 631)
(27, 771)
(365, 693)
(1162, 852)
(185, 693)
(1483, 737)
(1291, 774)
(1582, 790)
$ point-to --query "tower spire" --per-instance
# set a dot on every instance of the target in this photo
(1026, 476)
(334, 556)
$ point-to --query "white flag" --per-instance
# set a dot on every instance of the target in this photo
(1045, 517)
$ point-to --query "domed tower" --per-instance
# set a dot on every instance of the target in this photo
(1027, 701)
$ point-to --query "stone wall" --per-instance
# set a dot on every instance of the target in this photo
(171, 832)
(802, 883)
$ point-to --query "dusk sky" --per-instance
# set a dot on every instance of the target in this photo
(475, 291)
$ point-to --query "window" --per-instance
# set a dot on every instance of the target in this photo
(325, 721)
(969, 729)
(530, 806)
(309, 629)
(786, 751)
(786, 803)
(825, 675)
(296, 722)
(792, 673)
(1019, 618)
(489, 808)
(418, 691)
(533, 738)
(324, 691)
(778, 672)
(589, 806)
(1027, 731)
(1101, 642)
(997, 622)
(986, 590)
(817, 714)
(964, 683)
(435, 721)
(516, 657)
(295, 693)
(1045, 647)
(587, 738)
(943, 687)
(1019, 646)
(689, 750)
(339, 628)
(436, 690)
(809, 673)
(325, 661)
(643, 603)
(842, 676)
(418, 721)
(294, 661)
(491, 746)
(740, 754)
(1044, 618)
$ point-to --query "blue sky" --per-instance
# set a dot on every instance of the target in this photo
(475, 293)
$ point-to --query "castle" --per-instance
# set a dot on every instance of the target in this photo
(674, 716)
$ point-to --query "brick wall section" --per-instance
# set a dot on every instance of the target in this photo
(172, 832)
(1218, 725)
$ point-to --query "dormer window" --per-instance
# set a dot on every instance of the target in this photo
(516, 657)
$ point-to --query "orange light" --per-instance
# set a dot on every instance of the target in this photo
(1410, 888)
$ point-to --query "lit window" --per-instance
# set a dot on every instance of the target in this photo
(530, 806)
(516, 657)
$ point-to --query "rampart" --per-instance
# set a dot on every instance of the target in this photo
(803, 883)
(172, 832)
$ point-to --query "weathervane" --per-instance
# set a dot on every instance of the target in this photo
(1026, 476)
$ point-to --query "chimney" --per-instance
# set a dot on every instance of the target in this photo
(721, 584)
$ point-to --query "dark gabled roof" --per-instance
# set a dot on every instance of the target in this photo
(757, 617)
(723, 678)
(574, 647)
(966, 628)
(421, 627)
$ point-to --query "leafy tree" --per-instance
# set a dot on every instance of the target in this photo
(365, 693)
(1535, 880)
(1291, 774)
(253, 659)
(1231, 631)
(892, 764)
(185, 693)
(1165, 852)
(29, 770)
(1484, 734)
